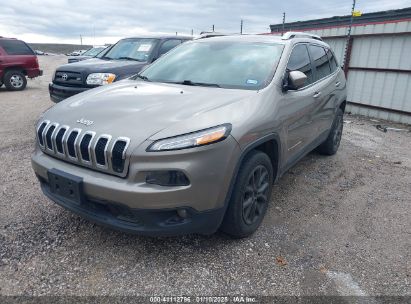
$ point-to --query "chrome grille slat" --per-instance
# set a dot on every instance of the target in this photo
(118, 154)
(101, 152)
(49, 136)
(85, 147)
(71, 143)
(40, 132)
(59, 140)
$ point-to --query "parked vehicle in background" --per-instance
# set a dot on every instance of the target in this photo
(124, 59)
(195, 141)
(17, 61)
(38, 52)
(90, 53)
(77, 53)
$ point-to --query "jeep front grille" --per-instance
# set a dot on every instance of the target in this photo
(86, 148)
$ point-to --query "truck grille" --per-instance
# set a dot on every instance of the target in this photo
(68, 78)
(85, 148)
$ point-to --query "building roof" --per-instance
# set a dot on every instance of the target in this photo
(339, 21)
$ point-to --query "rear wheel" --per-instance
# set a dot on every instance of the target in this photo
(15, 81)
(331, 144)
(250, 197)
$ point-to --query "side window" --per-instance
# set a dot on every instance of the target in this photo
(320, 60)
(300, 61)
(168, 45)
(332, 60)
(16, 47)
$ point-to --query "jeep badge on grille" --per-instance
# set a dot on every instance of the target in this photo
(85, 122)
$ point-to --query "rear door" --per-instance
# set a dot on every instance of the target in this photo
(325, 89)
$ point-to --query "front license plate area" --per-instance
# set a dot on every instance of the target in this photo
(65, 185)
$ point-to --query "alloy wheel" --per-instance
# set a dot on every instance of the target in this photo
(16, 81)
(255, 195)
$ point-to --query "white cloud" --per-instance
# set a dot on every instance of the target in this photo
(107, 20)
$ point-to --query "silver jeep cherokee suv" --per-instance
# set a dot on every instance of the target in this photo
(195, 141)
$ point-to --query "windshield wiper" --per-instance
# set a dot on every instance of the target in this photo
(142, 77)
(129, 58)
(105, 57)
(200, 84)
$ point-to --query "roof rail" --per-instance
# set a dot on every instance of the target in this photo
(291, 35)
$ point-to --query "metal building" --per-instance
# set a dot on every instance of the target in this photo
(378, 61)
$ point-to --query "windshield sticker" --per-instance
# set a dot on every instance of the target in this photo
(144, 48)
(252, 81)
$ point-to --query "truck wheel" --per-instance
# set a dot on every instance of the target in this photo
(15, 81)
(331, 144)
(250, 197)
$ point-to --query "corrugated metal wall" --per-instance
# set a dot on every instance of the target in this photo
(387, 47)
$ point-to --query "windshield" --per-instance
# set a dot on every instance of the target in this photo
(131, 49)
(93, 51)
(228, 64)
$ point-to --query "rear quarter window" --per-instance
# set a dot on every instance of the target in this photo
(16, 47)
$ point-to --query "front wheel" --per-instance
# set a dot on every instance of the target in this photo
(250, 197)
(331, 144)
(15, 81)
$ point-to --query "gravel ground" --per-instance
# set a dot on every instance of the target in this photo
(336, 226)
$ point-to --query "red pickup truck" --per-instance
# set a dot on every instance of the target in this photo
(17, 61)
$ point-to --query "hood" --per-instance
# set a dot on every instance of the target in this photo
(78, 58)
(122, 68)
(138, 109)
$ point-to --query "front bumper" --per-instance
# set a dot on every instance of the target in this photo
(59, 93)
(155, 222)
(209, 168)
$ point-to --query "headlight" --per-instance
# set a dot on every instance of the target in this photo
(100, 78)
(191, 140)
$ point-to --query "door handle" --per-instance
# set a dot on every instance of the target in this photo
(317, 94)
(337, 84)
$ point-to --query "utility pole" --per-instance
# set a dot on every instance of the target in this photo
(241, 27)
(347, 45)
(176, 33)
(283, 23)
(81, 40)
(213, 28)
(192, 32)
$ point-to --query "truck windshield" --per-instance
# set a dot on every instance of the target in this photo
(217, 63)
(138, 49)
(93, 51)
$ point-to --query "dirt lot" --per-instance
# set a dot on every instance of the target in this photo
(336, 226)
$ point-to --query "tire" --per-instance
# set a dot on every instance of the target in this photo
(15, 80)
(249, 201)
(331, 144)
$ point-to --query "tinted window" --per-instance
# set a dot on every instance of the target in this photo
(168, 45)
(16, 47)
(331, 59)
(228, 64)
(300, 61)
(320, 61)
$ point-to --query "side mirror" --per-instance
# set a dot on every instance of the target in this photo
(295, 80)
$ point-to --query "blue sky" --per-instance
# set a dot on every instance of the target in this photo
(105, 21)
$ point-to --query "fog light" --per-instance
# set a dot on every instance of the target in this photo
(182, 213)
(167, 178)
